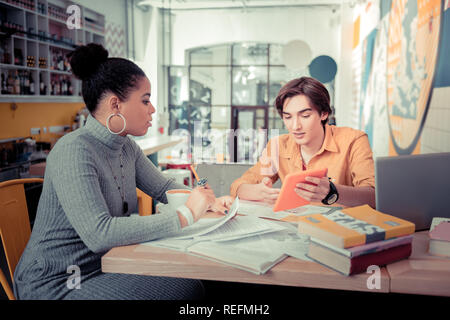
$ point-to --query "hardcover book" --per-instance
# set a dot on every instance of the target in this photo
(355, 226)
(358, 264)
(366, 248)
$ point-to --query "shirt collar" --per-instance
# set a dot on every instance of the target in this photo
(101, 133)
(329, 144)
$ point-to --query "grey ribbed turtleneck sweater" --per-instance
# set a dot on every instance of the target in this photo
(80, 216)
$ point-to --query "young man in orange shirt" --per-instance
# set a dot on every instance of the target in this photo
(304, 105)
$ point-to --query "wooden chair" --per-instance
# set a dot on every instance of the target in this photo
(15, 227)
(144, 203)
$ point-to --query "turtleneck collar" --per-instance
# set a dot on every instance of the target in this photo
(100, 132)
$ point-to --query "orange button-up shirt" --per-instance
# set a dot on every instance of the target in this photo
(345, 152)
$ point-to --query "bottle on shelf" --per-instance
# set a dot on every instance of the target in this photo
(16, 83)
(63, 85)
(22, 83)
(2, 53)
(10, 83)
(31, 82)
(18, 56)
(43, 63)
(7, 55)
(42, 86)
(4, 86)
(31, 61)
(70, 88)
(57, 87)
(26, 83)
(66, 63)
(60, 62)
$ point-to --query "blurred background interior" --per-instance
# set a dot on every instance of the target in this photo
(216, 68)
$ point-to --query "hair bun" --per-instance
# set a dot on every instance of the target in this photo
(85, 60)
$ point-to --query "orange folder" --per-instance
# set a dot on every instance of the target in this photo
(288, 199)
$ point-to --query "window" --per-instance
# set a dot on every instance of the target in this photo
(223, 88)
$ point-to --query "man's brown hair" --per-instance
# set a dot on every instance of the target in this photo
(314, 90)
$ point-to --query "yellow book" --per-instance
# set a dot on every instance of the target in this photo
(354, 226)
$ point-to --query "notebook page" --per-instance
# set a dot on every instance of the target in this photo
(241, 227)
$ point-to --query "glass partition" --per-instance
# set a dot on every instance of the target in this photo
(250, 54)
(210, 85)
(250, 86)
(216, 55)
(225, 88)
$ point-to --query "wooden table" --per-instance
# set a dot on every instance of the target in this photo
(155, 144)
(149, 260)
(422, 273)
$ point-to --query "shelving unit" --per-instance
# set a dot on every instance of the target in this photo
(34, 43)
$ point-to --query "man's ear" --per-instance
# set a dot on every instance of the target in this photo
(324, 115)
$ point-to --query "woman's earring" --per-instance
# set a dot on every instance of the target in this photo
(124, 122)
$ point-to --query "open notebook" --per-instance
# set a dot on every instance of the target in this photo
(245, 242)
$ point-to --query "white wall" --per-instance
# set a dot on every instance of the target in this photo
(319, 27)
(344, 88)
(113, 10)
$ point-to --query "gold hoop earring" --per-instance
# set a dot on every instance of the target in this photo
(119, 115)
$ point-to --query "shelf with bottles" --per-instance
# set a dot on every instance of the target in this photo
(61, 85)
(26, 5)
(50, 14)
(32, 84)
(59, 60)
(35, 41)
(93, 21)
(18, 82)
(57, 13)
(41, 36)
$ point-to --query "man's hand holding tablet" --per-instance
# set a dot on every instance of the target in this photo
(314, 189)
(298, 188)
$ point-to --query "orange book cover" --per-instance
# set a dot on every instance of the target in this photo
(354, 226)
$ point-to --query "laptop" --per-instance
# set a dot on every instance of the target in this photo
(414, 187)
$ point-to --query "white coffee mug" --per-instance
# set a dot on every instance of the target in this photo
(177, 197)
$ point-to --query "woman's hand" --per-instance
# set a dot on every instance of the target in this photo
(200, 200)
(222, 204)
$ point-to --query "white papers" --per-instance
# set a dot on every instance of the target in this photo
(206, 225)
(241, 227)
(171, 243)
(263, 210)
(237, 228)
(246, 242)
(198, 229)
(295, 245)
(309, 209)
(256, 254)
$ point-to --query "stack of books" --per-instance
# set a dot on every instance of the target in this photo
(352, 239)
(440, 237)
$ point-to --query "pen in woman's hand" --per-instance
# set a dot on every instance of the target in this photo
(200, 182)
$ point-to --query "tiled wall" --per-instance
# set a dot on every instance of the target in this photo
(436, 131)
